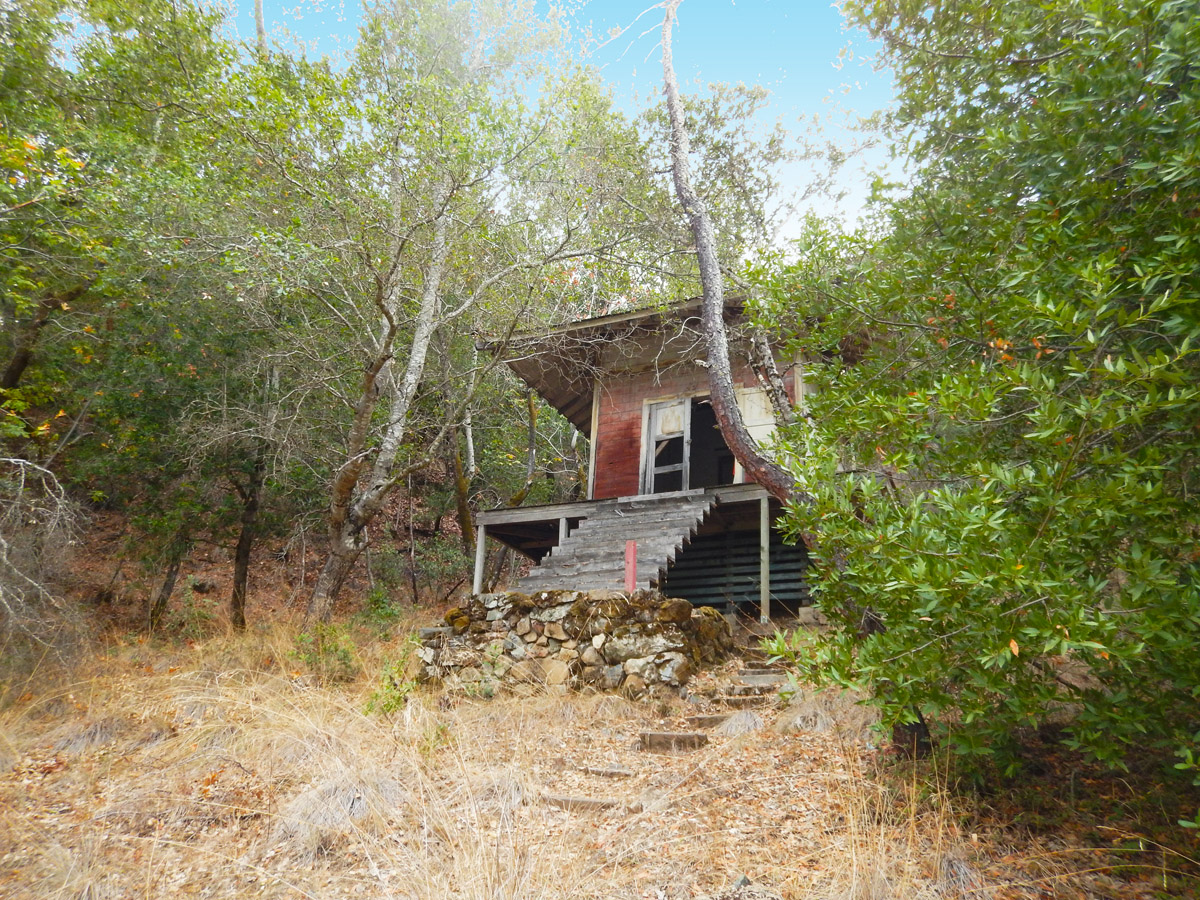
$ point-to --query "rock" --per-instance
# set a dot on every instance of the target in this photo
(674, 669)
(553, 614)
(554, 631)
(633, 686)
(741, 722)
(643, 667)
(636, 644)
(570, 645)
(674, 610)
(557, 672)
(518, 652)
(523, 627)
(589, 657)
(494, 614)
(428, 634)
(613, 676)
(469, 675)
(527, 670)
(530, 636)
(598, 640)
(568, 655)
(811, 617)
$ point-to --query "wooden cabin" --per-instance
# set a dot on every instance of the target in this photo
(667, 505)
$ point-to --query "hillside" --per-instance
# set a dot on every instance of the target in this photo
(228, 766)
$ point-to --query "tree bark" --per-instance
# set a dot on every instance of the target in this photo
(251, 502)
(27, 337)
(260, 30)
(764, 471)
(763, 363)
(159, 607)
(462, 498)
(352, 510)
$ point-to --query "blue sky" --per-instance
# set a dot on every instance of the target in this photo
(800, 50)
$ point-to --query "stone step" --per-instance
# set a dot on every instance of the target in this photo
(768, 679)
(671, 741)
(579, 804)
(751, 690)
(705, 722)
(607, 771)
(743, 701)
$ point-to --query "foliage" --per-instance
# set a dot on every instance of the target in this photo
(328, 652)
(396, 681)
(1001, 457)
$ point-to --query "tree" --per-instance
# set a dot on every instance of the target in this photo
(759, 467)
(1002, 450)
(464, 219)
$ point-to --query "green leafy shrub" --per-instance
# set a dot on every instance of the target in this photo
(1000, 464)
(328, 652)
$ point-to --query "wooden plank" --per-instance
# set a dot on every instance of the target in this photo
(551, 512)
(480, 558)
(671, 741)
(764, 564)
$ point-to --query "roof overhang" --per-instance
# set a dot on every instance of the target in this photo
(561, 364)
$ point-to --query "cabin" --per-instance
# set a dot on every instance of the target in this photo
(667, 505)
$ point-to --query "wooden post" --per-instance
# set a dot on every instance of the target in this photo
(562, 530)
(480, 558)
(631, 566)
(764, 560)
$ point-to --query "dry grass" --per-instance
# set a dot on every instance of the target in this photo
(221, 770)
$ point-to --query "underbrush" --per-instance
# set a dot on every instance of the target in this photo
(279, 764)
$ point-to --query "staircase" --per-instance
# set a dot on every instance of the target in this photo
(593, 556)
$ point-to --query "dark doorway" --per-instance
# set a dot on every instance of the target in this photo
(685, 446)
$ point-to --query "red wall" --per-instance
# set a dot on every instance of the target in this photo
(619, 426)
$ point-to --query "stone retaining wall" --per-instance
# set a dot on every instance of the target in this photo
(607, 639)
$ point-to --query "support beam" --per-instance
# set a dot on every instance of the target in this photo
(562, 531)
(480, 558)
(764, 560)
(630, 566)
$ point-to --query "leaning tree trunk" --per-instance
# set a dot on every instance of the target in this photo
(764, 471)
(352, 509)
(158, 607)
(29, 333)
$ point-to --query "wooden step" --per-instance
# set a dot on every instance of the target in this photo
(743, 701)
(706, 722)
(579, 804)
(752, 690)
(671, 741)
(593, 555)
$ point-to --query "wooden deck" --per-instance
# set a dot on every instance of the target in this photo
(581, 546)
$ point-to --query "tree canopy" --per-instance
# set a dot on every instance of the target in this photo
(1002, 450)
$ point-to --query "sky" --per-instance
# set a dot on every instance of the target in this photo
(800, 50)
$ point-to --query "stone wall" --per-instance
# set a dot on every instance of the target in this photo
(606, 639)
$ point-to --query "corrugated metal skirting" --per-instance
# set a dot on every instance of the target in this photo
(723, 570)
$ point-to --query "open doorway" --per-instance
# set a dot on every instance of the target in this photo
(684, 447)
